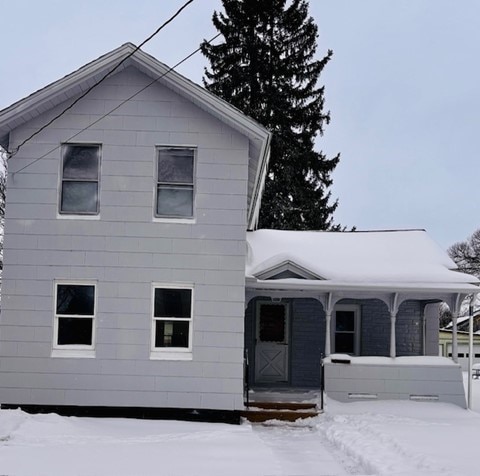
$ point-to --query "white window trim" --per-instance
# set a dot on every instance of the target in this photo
(357, 317)
(171, 219)
(71, 215)
(78, 350)
(171, 353)
(63, 216)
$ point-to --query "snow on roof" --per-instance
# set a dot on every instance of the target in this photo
(400, 258)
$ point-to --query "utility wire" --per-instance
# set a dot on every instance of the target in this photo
(117, 107)
(15, 151)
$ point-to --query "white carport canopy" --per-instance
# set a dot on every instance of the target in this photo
(389, 265)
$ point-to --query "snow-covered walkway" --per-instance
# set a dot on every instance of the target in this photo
(300, 450)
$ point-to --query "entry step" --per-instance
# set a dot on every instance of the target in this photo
(258, 412)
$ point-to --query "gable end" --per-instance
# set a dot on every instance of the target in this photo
(288, 270)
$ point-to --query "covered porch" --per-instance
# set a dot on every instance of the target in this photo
(363, 331)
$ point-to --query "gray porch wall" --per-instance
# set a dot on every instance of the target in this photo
(307, 343)
(410, 328)
(375, 327)
(250, 339)
(307, 334)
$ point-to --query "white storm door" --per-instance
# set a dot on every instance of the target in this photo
(271, 348)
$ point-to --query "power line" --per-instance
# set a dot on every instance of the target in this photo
(15, 151)
(118, 106)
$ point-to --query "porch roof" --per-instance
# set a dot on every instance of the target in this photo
(398, 261)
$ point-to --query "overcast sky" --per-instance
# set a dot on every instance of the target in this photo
(403, 90)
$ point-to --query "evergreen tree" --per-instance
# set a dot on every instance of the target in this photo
(265, 67)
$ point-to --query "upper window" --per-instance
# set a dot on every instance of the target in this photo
(80, 179)
(74, 316)
(172, 318)
(175, 177)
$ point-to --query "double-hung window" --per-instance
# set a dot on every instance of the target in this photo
(75, 308)
(346, 329)
(175, 182)
(80, 179)
(172, 319)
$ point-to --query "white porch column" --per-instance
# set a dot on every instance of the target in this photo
(393, 338)
(393, 308)
(454, 304)
(329, 303)
(454, 337)
(328, 318)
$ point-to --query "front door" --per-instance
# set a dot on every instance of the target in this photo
(271, 344)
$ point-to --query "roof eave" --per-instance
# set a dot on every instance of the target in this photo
(331, 286)
(41, 100)
(256, 200)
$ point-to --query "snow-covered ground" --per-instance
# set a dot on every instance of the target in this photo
(364, 438)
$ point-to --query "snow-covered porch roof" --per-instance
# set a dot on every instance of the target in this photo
(393, 266)
(405, 261)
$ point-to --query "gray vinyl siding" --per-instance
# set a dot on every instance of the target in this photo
(307, 334)
(124, 252)
(308, 342)
(375, 327)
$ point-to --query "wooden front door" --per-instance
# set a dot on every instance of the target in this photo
(271, 344)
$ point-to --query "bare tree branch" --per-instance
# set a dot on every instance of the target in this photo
(466, 254)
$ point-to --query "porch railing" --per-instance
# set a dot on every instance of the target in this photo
(246, 378)
(322, 381)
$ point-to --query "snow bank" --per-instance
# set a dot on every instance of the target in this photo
(363, 438)
(372, 360)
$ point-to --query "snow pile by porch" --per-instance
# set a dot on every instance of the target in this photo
(351, 378)
(420, 360)
(407, 259)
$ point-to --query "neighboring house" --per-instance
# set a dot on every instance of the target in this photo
(125, 250)
(446, 339)
(463, 323)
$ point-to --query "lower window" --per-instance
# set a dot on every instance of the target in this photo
(346, 329)
(74, 326)
(172, 318)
